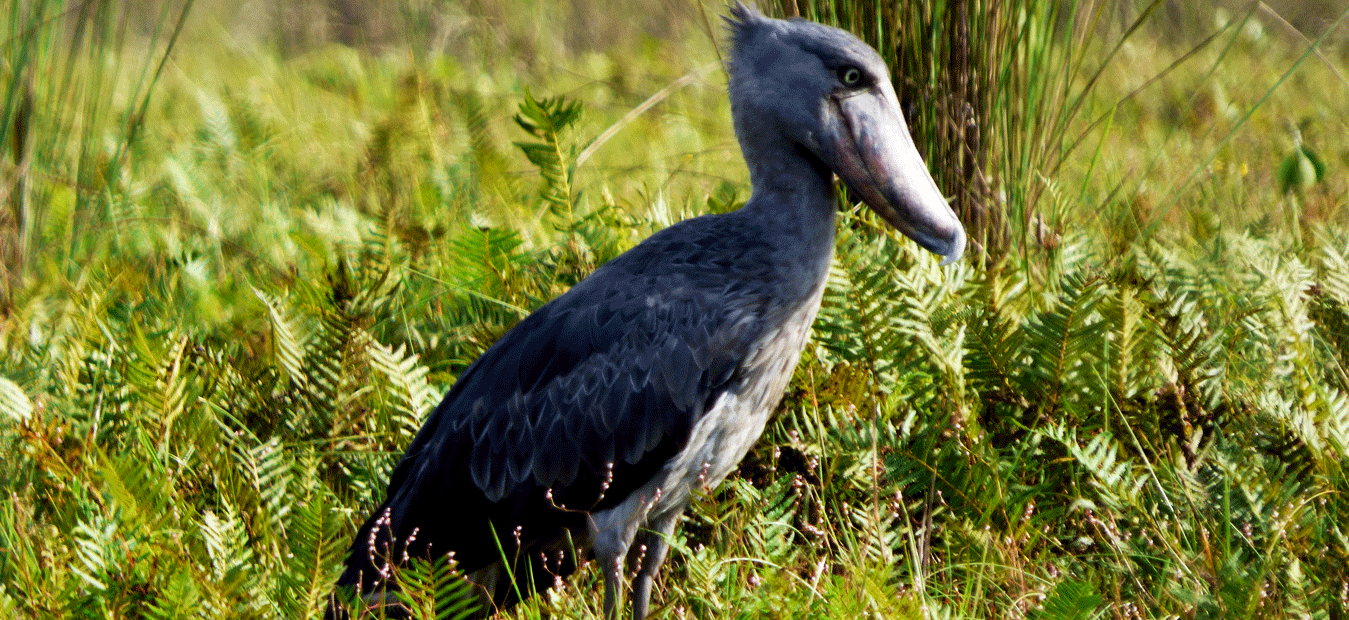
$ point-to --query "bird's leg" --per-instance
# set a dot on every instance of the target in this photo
(653, 540)
(610, 547)
(613, 585)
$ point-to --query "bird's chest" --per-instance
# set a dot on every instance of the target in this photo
(736, 420)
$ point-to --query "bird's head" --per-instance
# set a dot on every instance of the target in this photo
(829, 93)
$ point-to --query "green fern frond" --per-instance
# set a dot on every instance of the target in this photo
(1070, 600)
(547, 119)
(271, 469)
(1329, 308)
(1099, 456)
(230, 556)
(97, 548)
(157, 373)
(1132, 346)
(315, 546)
(413, 396)
(140, 490)
(217, 127)
(865, 319)
(491, 181)
(289, 337)
(1063, 341)
(436, 589)
(1183, 303)
(780, 506)
(14, 404)
(179, 598)
(996, 340)
(485, 259)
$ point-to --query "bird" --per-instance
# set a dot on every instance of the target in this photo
(583, 432)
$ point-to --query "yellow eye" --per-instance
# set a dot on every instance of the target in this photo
(850, 76)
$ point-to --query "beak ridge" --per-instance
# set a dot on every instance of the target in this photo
(876, 157)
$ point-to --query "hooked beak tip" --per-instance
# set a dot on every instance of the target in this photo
(957, 248)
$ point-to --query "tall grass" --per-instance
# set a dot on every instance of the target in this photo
(1001, 96)
(236, 281)
(992, 92)
(75, 99)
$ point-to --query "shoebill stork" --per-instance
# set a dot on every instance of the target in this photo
(582, 432)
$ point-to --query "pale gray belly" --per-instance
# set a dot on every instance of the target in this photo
(718, 441)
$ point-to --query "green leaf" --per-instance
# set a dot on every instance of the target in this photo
(1300, 170)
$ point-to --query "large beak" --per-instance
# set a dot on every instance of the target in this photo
(876, 157)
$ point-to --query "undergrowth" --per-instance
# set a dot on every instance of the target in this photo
(223, 324)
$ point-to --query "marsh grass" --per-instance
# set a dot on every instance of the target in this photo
(236, 281)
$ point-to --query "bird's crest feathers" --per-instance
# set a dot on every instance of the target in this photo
(742, 20)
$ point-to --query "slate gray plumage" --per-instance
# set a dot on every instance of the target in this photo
(586, 427)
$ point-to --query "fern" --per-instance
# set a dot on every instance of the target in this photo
(139, 490)
(435, 589)
(314, 547)
(178, 599)
(547, 119)
(490, 178)
(1329, 308)
(218, 128)
(289, 338)
(485, 260)
(995, 342)
(156, 372)
(1132, 347)
(779, 509)
(270, 471)
(1062, 342)
(1189, 324)
(413, 396)
(14, 404)
(199, 404)
(1070, 600)
(1111, 475)
(96, 547)
(236, 588)
(878, 312)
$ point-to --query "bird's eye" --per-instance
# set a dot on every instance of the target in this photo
(850, 76)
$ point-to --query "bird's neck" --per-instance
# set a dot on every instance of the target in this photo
(793, 194)
(793, 204)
